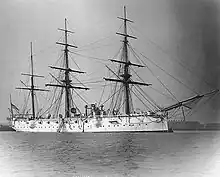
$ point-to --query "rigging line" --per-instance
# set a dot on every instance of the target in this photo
(51, 99)
(75, 63)
(55, 79)
(81, 97)
(151, 86)
(118, 52)
(106, 37)
(100, 86)
(98, 47)
(86, 56)
(158, 91)
(26, 99)
(140, 99)
(58, 106)
(26, 103)
(170, 74)
(184, 65)
(27, 87)
(61, 55)
(209, 99)
(52, 104)
(131, 101)
(174, 113)
(157, 77)
(164, 71)
(121, 105)
(102, 95)
(154, 105)
(112, 95)
(37, 105)
(92, 79)
(78, 80)
(129, 26)
(148, 97)
(75, 103)
(94, 82)
(118, 99)
(113, 90)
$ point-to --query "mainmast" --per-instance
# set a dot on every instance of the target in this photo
(66, 83)
(67, 80)
(32, 87)
(126, 76)
(126, 66)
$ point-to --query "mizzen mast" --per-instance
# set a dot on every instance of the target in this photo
(126, 76)
(66, 83)
(32, 88)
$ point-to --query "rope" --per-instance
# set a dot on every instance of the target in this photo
(140, 100)
(183, 65)
(102, 94)
(154, 75)
(112, 96)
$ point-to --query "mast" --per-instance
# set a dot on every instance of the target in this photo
(32, 88)
(126, 67)
(32, 84)
(126, 76)
(66, 82)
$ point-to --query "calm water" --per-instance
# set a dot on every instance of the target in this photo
(116, 154)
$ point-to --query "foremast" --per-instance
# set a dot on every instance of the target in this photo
(125, 78)
(32, 88)
(66, 83)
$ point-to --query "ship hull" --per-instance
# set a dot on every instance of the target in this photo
(93, 125)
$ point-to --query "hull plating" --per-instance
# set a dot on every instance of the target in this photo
(99, 124)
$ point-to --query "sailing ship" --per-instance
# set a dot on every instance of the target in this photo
(120, 117)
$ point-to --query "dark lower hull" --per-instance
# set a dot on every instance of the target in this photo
(6, 128)
(164, 131)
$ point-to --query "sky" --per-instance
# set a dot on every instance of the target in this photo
(169, 32)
